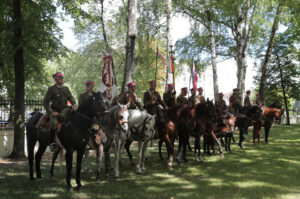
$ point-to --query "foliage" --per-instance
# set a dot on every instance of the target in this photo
(40, 40)
(284, 57)
(258, 171)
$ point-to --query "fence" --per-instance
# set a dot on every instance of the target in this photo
(7, 110)
(7, 125)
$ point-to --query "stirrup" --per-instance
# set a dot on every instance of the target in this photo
(53, 147)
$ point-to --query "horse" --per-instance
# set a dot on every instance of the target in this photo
(73, 135)
(270, 115)
(245, 118)
(166, 125)
(141, 127)
(224, 129)
(204, 121)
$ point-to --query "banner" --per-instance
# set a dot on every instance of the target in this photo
(194, 76)
(107, 77)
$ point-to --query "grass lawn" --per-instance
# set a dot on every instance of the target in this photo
(258, 171)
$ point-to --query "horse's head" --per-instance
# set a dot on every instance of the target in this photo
(122, 117)
(277, 115)
(99, 106)
(212, 111)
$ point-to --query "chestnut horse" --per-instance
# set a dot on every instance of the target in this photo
(270, 114)
(166, 125)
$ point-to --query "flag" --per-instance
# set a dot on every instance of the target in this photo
(194, 76)
(162, 58)
(107, 77)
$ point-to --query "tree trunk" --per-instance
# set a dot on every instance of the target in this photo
(284, 93)
(213, 55)
(18, 148)
(130, 45)
(265, 66)
(107, 46)
(168, 43)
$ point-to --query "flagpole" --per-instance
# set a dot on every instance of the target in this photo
(156, 65)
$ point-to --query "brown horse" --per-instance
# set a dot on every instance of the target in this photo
(225, 128)
(270, 114)
(167, 127)
(203, 123)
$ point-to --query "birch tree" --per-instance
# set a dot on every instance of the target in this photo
(130, 44)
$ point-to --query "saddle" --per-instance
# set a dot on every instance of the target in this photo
(44, 122)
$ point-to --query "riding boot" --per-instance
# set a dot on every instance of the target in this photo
(53, 145)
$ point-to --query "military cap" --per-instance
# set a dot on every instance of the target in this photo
(131, 84)
(58, 75)
(89, 83)
(200, 89)
(184, 88)
(171, 85)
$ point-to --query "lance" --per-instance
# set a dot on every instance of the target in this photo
(156, 66)
(172, 65)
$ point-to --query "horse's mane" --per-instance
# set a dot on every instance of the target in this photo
(85, 104)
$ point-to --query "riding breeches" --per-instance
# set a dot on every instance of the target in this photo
(61, 117)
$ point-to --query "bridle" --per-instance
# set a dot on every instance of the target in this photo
(121, 121)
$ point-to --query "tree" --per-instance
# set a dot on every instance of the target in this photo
(269, 50)
(18, 148)
(130, 44)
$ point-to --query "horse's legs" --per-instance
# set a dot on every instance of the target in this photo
(140, 152)
(38, 157)
(159, 149)
(267, 131)
(30, 149)
(230, 136)
(144, 154)
(107, 161)
(259, 134)
(69, 159)
(119, 146)
(99, 153)
(189, 146)
(54, 157)
(226, 142)
(86, 160)
(80, 153)
(170, 150)
(254, 132)
(218, 143)
(127, 147)
(242, 137)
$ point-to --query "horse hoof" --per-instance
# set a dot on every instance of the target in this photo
(241, 145)
(78, 187)
(161, 158)
(143, 169)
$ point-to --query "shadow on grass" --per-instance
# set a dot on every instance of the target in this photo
(258, 171)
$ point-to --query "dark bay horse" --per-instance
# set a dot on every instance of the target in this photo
(270, 115)
(73, 136)
(199, 121)
(245, 118)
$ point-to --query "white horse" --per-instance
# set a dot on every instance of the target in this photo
(141, 128)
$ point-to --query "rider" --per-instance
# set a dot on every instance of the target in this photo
(152, 99)
(109, 100)
(131, 97)
(258, 100)
(247, 99)
(169, 96)
(89, 85)
(55, 104)
(235, 102)
(193, 98)
(221, 104)
(200, 97)
(181, 99)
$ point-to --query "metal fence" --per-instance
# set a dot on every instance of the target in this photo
(7, 110)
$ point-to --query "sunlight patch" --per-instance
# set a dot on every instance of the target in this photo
(250, 183)
(48, 195)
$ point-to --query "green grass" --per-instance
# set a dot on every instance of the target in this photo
(258, 171)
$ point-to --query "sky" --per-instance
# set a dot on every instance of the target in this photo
(180, 26)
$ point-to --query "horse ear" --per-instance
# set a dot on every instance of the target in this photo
(119, 105)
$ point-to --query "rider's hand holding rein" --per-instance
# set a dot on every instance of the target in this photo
(55, 113)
